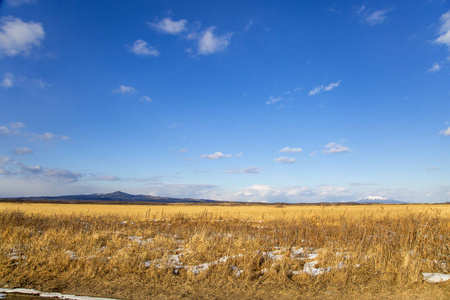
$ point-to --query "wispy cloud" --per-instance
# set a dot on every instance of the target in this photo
(436, 67)
(209, 43)
(174, 125)
(126, 90)
(13, 168)
(249, 25)
(216, 155)
(18, 37)
(11, 129)
(444, 31)
(251, 170)
(168, 26)
(8, 80)
(141, 48)
(291, 150)
(23, 151)
(362, 183)
(105, 178)
(326, 88)
(146, 99)
(47, 136)
(335, 148)
(285, 160)
(372, 17)
(273, 100)
(445, 132)
(17, 3)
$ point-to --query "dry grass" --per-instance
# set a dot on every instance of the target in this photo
(159, 252)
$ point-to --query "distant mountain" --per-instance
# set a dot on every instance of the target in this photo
(378, 199)
(117, 196)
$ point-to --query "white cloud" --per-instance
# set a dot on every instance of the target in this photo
(183, 190)
(445, 132)
(168, 26)
(141, 47)
(376, 17)
(183, 150)
(291, 150)
(39, 186)
(436, 67)
(444, 31)
(239, 154)
(210, 43)
(146, 99)
(335, 148)
(372, 17)
(47, 136)
(17, 3)
(8, 80)
(23, 151)
(14, 168)
(285, 160)
(251, 170)
(315, 91)
(105, 178)
(250, 24)
(313, 153)
(327, 88)
(174, 125)
(11, 129)
(18, 37)
(274, 100)
(330, 192)
(216, 155)
(266, 193)
(331, 86)
(17, 125)
(126, 90)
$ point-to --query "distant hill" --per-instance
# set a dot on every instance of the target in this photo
(378, 199)
(116, 196)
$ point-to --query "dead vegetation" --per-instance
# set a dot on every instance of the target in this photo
(212, 256)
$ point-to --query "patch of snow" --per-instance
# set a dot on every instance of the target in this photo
(435, 277)
(49, 295)
(72, 254)
(309, 268)
(138, 239)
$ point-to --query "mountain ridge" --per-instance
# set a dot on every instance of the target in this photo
(116, 196)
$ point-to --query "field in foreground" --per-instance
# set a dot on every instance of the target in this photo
(222, 252)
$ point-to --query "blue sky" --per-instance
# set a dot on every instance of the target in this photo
(295, 101)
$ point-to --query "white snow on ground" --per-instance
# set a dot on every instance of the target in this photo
(138, 239)
(50, 295)
(173, 261)
(309, 268)
(435, 277)
(72, 254)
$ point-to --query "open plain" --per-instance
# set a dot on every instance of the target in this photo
(226, 251)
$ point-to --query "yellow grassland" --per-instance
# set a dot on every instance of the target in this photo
(253, 212)
(226, 251)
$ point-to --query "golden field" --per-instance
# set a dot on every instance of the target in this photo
(254, 212)
(226, 251)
